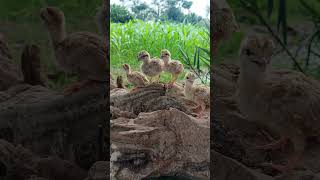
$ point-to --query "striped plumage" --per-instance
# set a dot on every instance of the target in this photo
(137, 79)
(82, 53)
(151, 67)
(286, 102)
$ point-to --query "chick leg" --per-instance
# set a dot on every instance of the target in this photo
(134, 89)
(150, 80)
(279, 144)
(158, 79)
(76, 87)
(174, 78)
(291, 163)
(299, 145)
(199, 109)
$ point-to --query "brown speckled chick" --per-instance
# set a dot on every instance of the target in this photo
(197, 93)
(286, 102)
(136, 78)
(174, 67)
(224, 21)
(82, 53)
(150, 67)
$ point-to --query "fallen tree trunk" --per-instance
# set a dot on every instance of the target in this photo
(49, 123)
(154, 134)
(164, 142)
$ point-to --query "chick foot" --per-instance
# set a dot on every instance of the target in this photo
(279, 144)
(170, 85)
(134, 89)
(291, 164)
(76, 87)
(198, 111)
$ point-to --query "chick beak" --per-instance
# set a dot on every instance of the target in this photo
(266, 61)
(236, 28)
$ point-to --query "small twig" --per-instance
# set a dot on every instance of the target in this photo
(315, 53)
(299, 48)
(317, 33)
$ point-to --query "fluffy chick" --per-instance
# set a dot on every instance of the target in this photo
(197, 93)
(150, 67)
(174, 67)
(136, 78)
(286, 102)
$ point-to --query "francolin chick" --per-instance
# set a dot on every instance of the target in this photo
(174, 67)
(197, 93)
(224, 21)
(84, 54)
(286, 102)
(150, 67)
(136, 78)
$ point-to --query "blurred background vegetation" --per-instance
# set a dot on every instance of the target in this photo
(20, 24)
(294, 25)
(164, 24)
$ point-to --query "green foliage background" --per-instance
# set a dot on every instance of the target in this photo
(130, 38)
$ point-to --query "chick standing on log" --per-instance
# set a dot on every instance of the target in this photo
(82, 53)
(137, 79)
(197, 93)
(172, 66)
(286, 102)
(150, 67)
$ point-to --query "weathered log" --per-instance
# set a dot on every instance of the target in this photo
(49, 123)
(154, 134)
(163, 142)
(147, 99)
(20, 163)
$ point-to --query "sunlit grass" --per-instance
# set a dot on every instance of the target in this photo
(128, 39)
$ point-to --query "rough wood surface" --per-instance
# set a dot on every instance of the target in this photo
(154, 134)
(48, 123)
(164, 142)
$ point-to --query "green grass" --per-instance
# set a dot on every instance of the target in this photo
(128, 39)
(294, 9)
(228, 49)
(16, 10)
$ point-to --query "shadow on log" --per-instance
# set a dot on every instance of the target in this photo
(49, 123)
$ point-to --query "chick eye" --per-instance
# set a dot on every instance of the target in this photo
(248, 52)
(187, 77)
